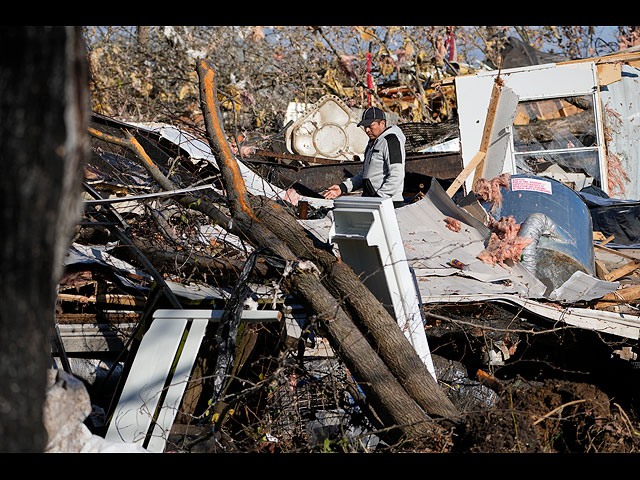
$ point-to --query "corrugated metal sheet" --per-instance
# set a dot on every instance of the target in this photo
(621, 117)
(430, 246)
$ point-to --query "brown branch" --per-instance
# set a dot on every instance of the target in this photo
(548, 414)
(189, 201)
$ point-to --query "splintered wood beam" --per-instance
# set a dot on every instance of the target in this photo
(598, 236)
(623, 295)
(477, 162)
(116, 299)
(601, 269)
(457, 183)
(607, 241)
(622, 271)
(488, 125)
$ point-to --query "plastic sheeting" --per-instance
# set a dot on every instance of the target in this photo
(620, 218)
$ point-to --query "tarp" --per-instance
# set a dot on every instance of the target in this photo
(620, 218)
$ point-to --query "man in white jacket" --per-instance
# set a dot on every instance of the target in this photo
(382, 173)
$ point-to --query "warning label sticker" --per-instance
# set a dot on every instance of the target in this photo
(531, 184)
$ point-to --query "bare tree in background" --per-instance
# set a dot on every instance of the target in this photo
(145, 74)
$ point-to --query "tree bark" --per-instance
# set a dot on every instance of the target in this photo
(364, 307)
(43, 143)
(383, 391)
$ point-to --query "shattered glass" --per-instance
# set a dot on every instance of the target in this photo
(557, 131)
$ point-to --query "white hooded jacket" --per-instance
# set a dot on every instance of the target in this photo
(382, 173)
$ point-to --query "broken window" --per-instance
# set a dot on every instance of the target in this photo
(557, 131)
(554, 130)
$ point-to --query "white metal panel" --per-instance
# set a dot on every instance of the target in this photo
(176, 389)
(142, 396)
(621, 117)
(146, 379)
(366, 231)
(500, 141)
(582, 287)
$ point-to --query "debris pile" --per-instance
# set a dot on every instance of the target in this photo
(146, 247)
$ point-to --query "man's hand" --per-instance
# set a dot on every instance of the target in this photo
(332, 192)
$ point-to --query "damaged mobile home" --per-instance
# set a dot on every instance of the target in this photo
(543, 166)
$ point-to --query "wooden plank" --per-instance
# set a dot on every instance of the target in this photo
(615, 252)
(622, 271)
(601, 270)
(607, 241)
(477, 162)
(460, 179)
(623, 295)
(117, 299)
(609, 73)
(488, 125)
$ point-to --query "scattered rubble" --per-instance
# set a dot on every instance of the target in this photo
(67, 407)
(138, 251)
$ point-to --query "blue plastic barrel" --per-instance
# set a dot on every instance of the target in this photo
(559, 220)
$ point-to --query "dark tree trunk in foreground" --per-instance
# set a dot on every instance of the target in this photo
(43, 140)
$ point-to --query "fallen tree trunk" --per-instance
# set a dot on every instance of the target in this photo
(389, 340)
(398, 385)
(403, 417)
(274, 233)
(390, 401)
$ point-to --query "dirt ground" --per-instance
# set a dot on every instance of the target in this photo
(559, 392)
(555, 417)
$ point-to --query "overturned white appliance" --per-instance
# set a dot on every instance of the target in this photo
(328, 129)
(367, 234)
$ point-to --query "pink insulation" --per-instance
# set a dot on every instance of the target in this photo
(489, 190)
(504, 244)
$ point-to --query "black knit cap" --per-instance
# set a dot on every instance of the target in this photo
(370, 115)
